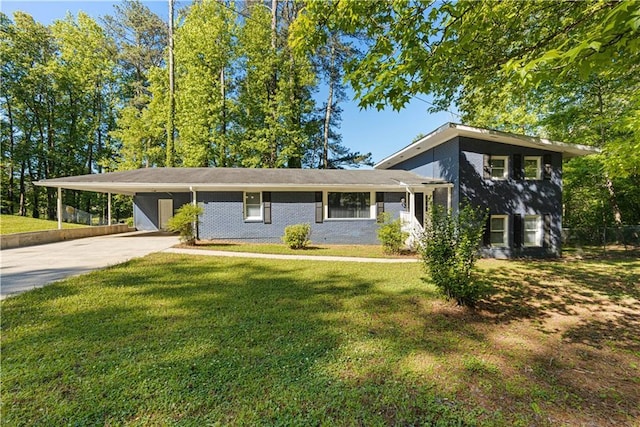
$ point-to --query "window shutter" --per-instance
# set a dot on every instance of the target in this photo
(547, 231)
(486, 167)
(518, 230)
(546, 167)
(486, 238)
(319, 207)
(517, 166)
(379, 203)
(266, 201)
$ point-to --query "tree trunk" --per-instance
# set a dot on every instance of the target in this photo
(328, 111)
(10, 194)
(172, 103)
(617, 213)
(273, 155)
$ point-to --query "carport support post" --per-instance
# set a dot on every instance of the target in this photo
(59, 208)
(195, 203)
(108, 208)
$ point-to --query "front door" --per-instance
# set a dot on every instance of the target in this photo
(165, 211)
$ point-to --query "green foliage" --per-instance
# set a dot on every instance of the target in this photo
(185, 222)
(390, 233)
(297, 236)
(449, 249)
(20, 224)
(563, 70)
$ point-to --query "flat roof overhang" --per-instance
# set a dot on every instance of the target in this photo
(140, 187)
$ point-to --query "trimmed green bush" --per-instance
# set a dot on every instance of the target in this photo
(390, 234)
(184, 222)
(297, 236)
(449, 248)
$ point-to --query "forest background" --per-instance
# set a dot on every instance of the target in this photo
(88, 96)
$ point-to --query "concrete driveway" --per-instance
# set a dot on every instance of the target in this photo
(22, 269)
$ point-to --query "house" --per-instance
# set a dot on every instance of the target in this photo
(517, 178)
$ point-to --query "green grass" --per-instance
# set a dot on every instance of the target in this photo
(21, 224)
(179, 340)
(362, 251)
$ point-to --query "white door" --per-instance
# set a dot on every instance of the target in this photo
(165, 211)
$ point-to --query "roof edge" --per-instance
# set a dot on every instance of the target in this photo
(451, 130)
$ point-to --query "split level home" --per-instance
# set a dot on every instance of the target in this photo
(517, 178)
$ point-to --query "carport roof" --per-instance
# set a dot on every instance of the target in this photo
(225, 179)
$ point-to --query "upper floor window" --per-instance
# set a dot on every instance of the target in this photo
(532, 167)
(253, 206)
(499, 231)
(349, 205)
(499, 166)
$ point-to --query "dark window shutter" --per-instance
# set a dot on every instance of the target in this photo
(319, 207)
(266, 202)
(379, 203)
(517, 231)
(546, 167)
(486, 166)
(517, 166)
(547, 230)
(486, 238)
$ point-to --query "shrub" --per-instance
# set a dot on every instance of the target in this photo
(449, 248)
(184, 222)
(297, 236)
(390, 234)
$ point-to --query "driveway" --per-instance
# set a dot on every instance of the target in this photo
(22, 269)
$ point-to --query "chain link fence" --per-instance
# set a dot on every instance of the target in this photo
(77, 216)
(627, 236)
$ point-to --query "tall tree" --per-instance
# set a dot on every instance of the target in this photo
(204, 50)
(509, 63)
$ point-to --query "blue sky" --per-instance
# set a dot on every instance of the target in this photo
(379, 132)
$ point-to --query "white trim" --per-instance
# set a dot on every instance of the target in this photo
(134, 188)
(505, 231)
(254, 218)
(372, 205)
(538, 230)
(538, 160)
(449, 131)
(505, 172)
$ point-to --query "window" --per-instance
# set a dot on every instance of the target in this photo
(532, 167)
(499, 167)
(532, 230)
(349, 205)
(498, 231)
(253, 206)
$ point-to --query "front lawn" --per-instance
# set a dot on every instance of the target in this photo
(362, 251)
(22, 224)
(172, 339)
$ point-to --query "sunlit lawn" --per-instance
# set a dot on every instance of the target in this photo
(179, 340)
(21, 224)
(364, 251)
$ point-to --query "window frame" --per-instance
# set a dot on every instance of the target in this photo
(371, 208)
(538, 160)
(538, 231)
(245, 205)
(504, 231)
(505, 173)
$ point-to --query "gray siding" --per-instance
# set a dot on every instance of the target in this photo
(223, 219)
(145, 208)
(510, 196)
(441, 162)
